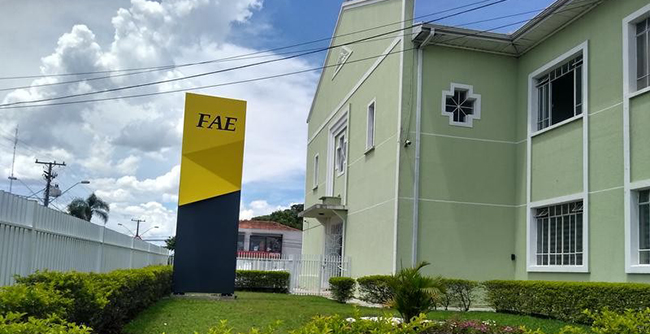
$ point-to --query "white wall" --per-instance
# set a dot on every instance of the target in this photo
(33, 237)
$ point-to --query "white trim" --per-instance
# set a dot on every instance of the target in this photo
(370, 207)
(633, 225)
(472, 139)
(444, 201)
(531, 266)
(354, 89)
(470, 95)
(557, 125)
(372, 103)
(532, 96)
(339, 67)
(335, 129)
(358, 3)
(629, 49)
(531, 260)
(364, 155)
(315, 170)
(605, 190)
(606, 109)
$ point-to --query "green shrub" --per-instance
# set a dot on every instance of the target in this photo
(375, 289)
(413, 293)
(16, 323)
(459, 292)
(608, 322)
(266, 281)
(38, 301)
(104, 302)
(565, 301)
(342, 288)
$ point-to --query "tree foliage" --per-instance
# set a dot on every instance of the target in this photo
(288, 217)
(86, 208)
(170, 243)
(414, 293)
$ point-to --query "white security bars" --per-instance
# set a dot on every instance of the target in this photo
(644, 227)
(643, 54)
(33, 237)
(559, 94)
(559, 235)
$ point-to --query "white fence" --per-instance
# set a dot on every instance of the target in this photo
(309, 274)
(33, 237)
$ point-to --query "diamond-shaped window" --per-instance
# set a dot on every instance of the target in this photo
(461, 105)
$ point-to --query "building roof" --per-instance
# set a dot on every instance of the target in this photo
(555, 17)
(265, 225)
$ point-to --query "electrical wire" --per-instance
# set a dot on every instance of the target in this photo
(244, 66)
(163, 67)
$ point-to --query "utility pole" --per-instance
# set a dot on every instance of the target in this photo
(49, 175)
(13, 162)
(137, 227)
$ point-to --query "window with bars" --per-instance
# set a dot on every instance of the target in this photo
(642, 54)
(559, 94)
(460, 105)
(559, 235)
(644, 227)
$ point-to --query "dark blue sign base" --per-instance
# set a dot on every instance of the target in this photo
(205, 257)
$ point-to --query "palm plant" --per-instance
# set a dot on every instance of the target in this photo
(414, 293)
(86, 208)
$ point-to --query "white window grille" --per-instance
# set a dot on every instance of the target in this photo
(370, 127)
(559, 235)
(644, 227)
(642, 54)
(315, 179)
(341, 153)
(559, 93)
(461, 105)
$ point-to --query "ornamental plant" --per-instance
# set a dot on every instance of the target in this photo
(414, 293)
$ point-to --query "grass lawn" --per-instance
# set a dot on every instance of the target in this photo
(184, 316)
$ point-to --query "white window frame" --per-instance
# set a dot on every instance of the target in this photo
(371, 129)
(532, 265)
(339, 125)
(632, 230)
(533, 100)
(469, 119)
(629, 52)
(315, 175)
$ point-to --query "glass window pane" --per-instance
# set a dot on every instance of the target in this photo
(578, 90)
(644, 227)
(644, 196)
(641, 26)
(240, 242)
(641, 56)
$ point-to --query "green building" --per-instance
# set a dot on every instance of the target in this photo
(489, 155)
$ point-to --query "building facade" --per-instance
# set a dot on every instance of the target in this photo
(268, 239)
(489, 155)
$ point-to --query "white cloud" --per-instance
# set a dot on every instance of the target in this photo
(130, 149)
(258, 208)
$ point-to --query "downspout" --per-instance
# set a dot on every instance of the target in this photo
(416, 169)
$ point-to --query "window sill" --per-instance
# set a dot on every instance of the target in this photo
(558, 269)
(339, 174)
(314, 188)
(638, 269)
(554, 126)
(638, 92)
(370, 149)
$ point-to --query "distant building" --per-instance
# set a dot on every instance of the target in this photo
(268, 239)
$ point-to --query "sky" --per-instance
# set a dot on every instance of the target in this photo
(129, 149)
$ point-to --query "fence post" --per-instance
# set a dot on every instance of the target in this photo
(31, 216)
(131, 256)
(100, 254)
(321, 267)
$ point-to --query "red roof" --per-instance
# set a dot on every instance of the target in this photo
(264, 225)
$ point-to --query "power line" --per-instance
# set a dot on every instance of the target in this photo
(253, 79)
(163, 67)
(247, 65)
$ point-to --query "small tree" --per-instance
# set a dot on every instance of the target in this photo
(414, 293)
(170, 243)
(288, 217)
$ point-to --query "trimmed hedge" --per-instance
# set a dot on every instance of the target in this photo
(565, 301)
(17, 323)
(375, 289)
(342, 288)
(265, 281)
(459, 292)
(104, 302)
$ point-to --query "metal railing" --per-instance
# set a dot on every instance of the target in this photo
(309, 274)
